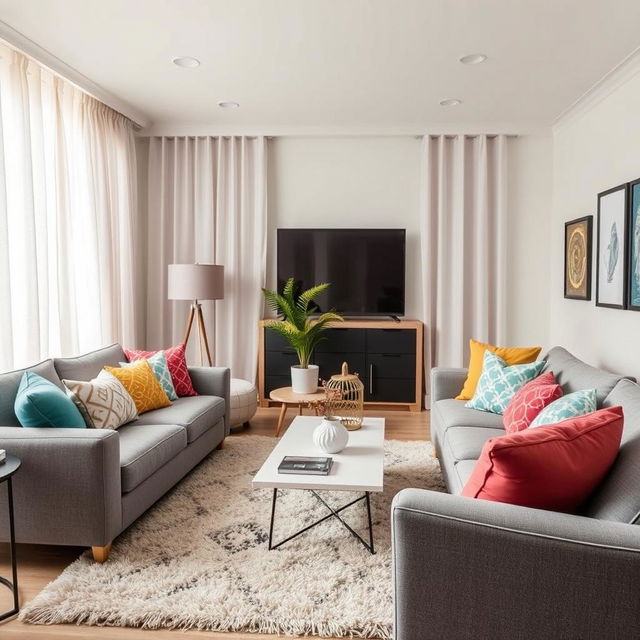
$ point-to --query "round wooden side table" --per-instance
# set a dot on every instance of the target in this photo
(7, 468)
(287, 397)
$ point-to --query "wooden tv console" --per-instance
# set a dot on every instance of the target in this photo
(388, 355)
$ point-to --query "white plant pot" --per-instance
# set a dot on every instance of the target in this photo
(330, 436)
(304, 380)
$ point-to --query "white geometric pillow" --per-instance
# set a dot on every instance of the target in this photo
(103, 402)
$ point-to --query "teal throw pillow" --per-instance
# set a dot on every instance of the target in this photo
(40, 403)
(573, 405)
(160, 368)
(498, 383)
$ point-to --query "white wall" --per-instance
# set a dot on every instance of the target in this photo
(347, 182)
(592, 152)
(375, 182)
(529, 197)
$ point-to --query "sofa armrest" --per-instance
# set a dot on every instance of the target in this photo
(214, 381)
(68, 489)
(446, 383)
(466, 568)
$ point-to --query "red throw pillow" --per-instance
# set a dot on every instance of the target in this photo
(177, 364)
(529, 401)
(555, 467)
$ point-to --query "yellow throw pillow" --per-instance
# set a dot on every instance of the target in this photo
(138, 379)
(511, 355)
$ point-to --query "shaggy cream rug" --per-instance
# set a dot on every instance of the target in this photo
(199, 558)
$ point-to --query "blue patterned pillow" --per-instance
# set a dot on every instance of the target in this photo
(578, 403)
(499, 383)
(158, 364)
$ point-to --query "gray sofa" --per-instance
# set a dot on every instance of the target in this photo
(466, 568)
(85, 486)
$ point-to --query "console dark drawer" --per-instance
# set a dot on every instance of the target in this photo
(331, 363)
(389, 390)
(275, 342)
(279, 363)
(391, 341)
(343, 341)
(392, 365)
(275, 382)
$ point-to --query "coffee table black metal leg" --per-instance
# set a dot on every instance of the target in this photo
(14, 565)
(273, 516)
(371, 548)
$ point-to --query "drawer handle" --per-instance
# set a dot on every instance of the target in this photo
(391, 355)
(371, 379)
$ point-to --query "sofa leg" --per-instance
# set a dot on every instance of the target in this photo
(101, 554)
(221, 445)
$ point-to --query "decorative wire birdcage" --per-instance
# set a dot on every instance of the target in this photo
(345, 398)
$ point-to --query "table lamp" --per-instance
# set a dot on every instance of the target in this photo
(196, 282)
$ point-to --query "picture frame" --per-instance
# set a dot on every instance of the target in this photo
(611, 252)
(633, 242)
(578, 258)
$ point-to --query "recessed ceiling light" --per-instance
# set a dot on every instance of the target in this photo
(473, 58)
(186, 61)
(228, 104)
(450, 102)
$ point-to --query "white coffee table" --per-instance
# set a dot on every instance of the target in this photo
(358, 468)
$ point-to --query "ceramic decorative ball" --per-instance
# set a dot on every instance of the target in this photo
(330, 435)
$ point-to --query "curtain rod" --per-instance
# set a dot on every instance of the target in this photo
(417, 136)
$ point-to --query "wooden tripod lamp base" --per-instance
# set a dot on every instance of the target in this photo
(195, 312)
(196, 282)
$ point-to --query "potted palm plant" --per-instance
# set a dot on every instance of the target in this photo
(300, 329)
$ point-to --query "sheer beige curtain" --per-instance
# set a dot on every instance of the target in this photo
(207, 203)
(464, 244)
(67, 206)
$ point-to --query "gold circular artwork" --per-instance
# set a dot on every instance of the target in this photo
(577, 257)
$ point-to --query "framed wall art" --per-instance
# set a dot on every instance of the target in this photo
(611, 253)
(577, 258)
(633, 272)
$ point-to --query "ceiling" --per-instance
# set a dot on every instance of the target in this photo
(380, 65)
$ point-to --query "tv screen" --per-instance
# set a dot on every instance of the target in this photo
(366, 267)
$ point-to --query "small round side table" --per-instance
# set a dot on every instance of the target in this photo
(7, 468)
(287, 397)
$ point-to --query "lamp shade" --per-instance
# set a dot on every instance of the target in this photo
(195, 282)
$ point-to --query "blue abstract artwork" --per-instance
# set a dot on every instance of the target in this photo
(634, 252)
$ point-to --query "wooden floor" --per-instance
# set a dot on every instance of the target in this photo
(39, 565)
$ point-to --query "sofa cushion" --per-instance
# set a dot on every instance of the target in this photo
(145, 448)
(142, 385)
(465, 443)
(88, 365)
(527, 403)
(618, 496)
(453, 413)
(9, 383)
(573, 405)
(572, 374)
(195, 413)
(462, 471)
(555, 467)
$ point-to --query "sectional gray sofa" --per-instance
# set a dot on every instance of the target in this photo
(85, 486)
(466, 568)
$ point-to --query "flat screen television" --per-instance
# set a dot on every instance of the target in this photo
(366, 268)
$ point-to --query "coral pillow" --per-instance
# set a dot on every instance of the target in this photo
(177, 367)
(511, 355)
(555, 467)
(142, 385)
(527, 403)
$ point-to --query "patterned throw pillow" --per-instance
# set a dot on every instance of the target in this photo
(158, 364)
(139, 381)
(498, 383)
(527, 403)
(177, 367)
(578, 403)
(103, 402)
